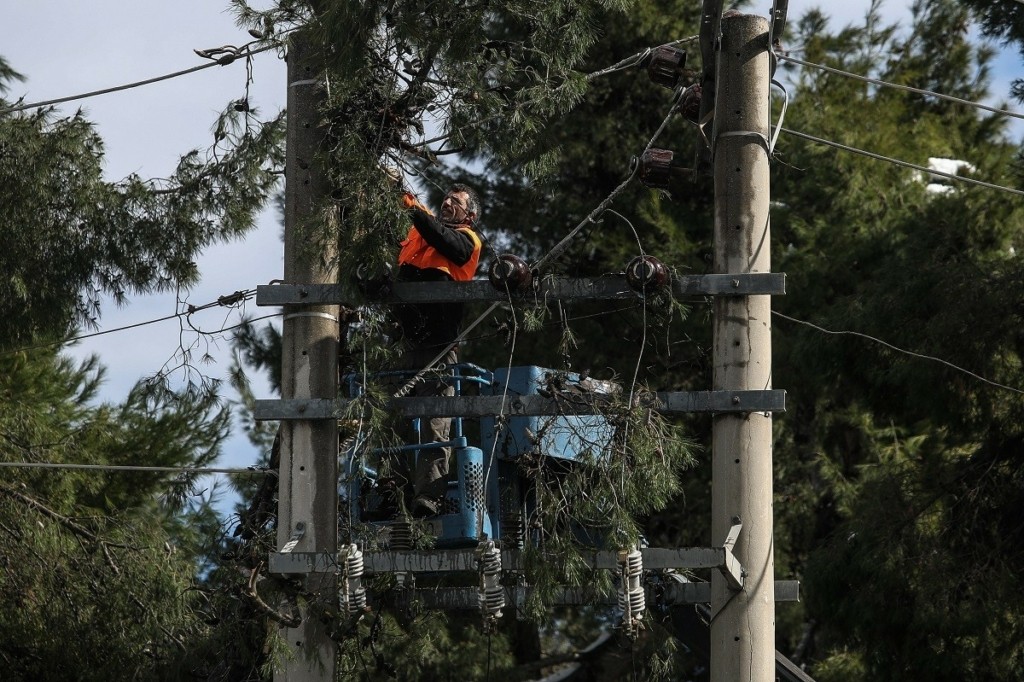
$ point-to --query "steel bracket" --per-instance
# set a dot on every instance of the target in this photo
(562, 404)
(547, 288)
(454, 560)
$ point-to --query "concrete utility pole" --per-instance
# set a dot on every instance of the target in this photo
(743, 622)
(308, 488)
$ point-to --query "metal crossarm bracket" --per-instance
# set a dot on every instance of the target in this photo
(710, 29)
(297, 408)
(562, 288)
(445, 561)
(778, 16)
(562, 404)
(442, 561)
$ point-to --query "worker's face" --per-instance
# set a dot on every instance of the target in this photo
(454, 208)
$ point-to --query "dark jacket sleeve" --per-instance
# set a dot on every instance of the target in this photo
(455, 245)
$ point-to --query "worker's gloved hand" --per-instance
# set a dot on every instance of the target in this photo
(410, 201)
(394, 175)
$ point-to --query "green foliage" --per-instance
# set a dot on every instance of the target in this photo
(422, 646)
(883, 456)
(98, 573)
(103, 571)
(71, 236)
(7, 74)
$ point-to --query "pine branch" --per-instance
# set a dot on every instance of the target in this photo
(270, 612)
(46, 511)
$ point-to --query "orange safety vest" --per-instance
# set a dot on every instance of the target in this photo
(418, 253)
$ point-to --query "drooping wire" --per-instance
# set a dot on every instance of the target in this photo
(930, 358)
(643, 340)
(356, 450)
(128, 86)
(782, 117)
(243, 323)
(574, 318)
(560, 247)
(228, 300)
(897, 86)
(499, 420)
(899, 162)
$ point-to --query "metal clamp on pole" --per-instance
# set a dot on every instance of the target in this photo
(747, 133)
(731, 568)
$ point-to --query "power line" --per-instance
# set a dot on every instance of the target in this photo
(637, 59)
(130, 467)
(557, 250)
(60, 100)
(907, 88)
(898, 162)
(229, 300)
(921, 356)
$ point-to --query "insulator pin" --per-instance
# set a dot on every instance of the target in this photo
(510, 273)
(656, 168)
(372, 281)
(492, 596)
(354, 594)
(631, 599)
(647, 274)
(689, 103)
(666, 65)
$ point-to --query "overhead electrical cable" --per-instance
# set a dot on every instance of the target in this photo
(899, 162)
(128, 86)
(139, 468)
(229, 300)
(907, 88)
(638, 58)
(930, 358)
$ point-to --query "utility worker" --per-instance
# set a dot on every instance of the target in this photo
(435, 250)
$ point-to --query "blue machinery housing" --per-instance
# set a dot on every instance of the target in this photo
(485, 496)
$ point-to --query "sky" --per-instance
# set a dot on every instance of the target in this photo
(67, 47)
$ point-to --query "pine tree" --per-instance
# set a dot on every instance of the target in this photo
(893, 460)
(104, 572)
(99, 566)
(71, 236)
